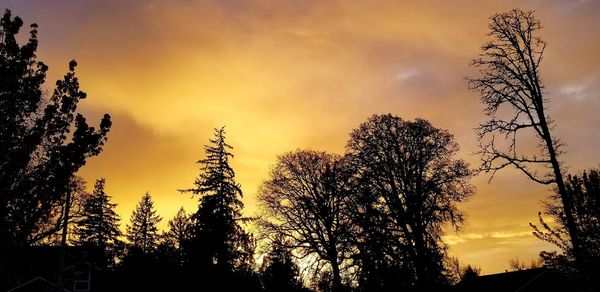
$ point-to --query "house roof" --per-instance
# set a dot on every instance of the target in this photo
(539, 279)
(37, 284)
(80, 264)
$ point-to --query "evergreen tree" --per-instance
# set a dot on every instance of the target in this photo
(179, 228)
(43, 143)
(583, 191)
(99, 225)
(279, 272)
(143, 233)
(217, 239)
(174, 239)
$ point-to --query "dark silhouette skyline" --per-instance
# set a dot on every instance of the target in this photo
(380, 215)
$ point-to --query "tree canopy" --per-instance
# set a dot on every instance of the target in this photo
(99, 223)
(44, 141)
(142, 233)
(408, 184)
(304, 202)
(216, 235)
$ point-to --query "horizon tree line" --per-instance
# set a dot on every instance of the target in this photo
(370, 219)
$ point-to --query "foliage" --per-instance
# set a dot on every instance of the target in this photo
(52, 229)
(279, 272)
(143, 234)
(43, 141)
(178, 231)
(175, 238)
(408, 185)
(99, 224)
(584, 192)
(470, 273)
(216, 238)
(455, 272)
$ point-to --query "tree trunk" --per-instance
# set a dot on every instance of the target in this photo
(423, 268)
(337, 279)
(562, 190)
(63, 241)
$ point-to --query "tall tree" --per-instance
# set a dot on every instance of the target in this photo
(217, 238)
(143, 232)
(406, 175)
(584, 192)
(99, 225)
(510, 87)
(304, 202)
(43, 140)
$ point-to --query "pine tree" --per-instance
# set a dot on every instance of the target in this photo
(175, 238)
(279, 272)
(99, 225)
(179, 228)
(216, 236)
(143, 233)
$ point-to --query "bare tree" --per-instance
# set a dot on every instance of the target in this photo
(512, 91)
(457, 272)
(304, 203)
(518, 265)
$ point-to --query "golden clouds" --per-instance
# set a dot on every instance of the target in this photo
(286, 74)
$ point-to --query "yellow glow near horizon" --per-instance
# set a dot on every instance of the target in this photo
(282, 75)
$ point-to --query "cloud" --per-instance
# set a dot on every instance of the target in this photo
(407, 74)
(283, 75)
(579, 90)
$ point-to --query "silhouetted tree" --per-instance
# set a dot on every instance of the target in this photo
(62, 227)
(279, 272)
(159, 266)
(99, 225)
(139, 269)
(304, 203)
(143, 234)
(584, 192)
(470, 273)
(43, 141)
(178, 231)
(512, 91)
(408, 183)
(518, 265)
(456, 272)
(453, 269)
(178, 234)
(217, 241)
(377, 260)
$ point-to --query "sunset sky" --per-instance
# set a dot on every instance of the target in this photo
(288, 74)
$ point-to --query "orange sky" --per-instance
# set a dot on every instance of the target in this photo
(287, 74)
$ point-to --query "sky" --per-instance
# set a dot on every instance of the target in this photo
(289, 74)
